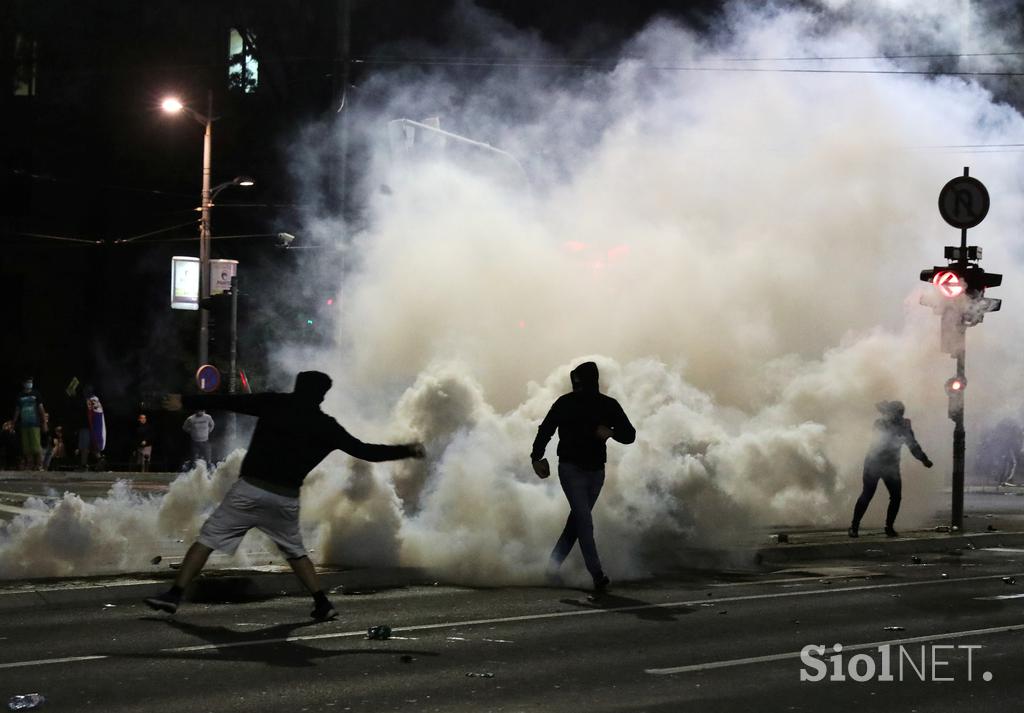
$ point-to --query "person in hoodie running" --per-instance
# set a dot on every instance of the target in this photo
(585, 419)
(882, 462)
(291, 437)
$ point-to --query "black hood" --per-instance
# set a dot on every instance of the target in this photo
(312, 385)
(584, 377)
(891, 409)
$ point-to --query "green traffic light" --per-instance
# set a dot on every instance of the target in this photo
(309, 322)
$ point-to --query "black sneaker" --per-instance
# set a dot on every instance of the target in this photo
(601, 584)
(162, 602)
(889, 532)
(853, 532)
(324, 612)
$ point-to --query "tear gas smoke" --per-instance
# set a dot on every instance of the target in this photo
(737, 250)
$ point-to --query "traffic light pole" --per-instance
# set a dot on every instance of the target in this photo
(963, 204)
(959, 449)
(959, 433)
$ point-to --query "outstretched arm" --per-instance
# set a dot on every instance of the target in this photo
(373, 452)
(915, 447)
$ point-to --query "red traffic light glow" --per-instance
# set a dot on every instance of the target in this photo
(948, 283)
(955, 384)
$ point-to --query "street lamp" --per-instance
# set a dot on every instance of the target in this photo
(173, 105)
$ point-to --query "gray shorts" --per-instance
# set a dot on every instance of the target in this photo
(244, 507)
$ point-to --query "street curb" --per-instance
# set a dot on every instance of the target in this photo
(214, 586)
(69, 476)
(868, 548)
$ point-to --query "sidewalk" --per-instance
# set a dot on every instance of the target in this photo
(70, 476)
(810, 545)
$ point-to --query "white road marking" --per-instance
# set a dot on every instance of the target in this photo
(44, 662)
(1000, 596)
(14, 510)
(531, 617)
(855, 647)
(809, 579)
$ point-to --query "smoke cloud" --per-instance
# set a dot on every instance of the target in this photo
(734, 245)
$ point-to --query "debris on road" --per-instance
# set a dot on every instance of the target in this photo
(894, 628)
(25, 701)
(992, 528)
(156, 560)
(381, 632)
(915, 559)
(1010, 580)
(944, 575)
(475, 674)
(942, 528)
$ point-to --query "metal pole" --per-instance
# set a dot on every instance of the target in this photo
(233, 379)
(204, 237)
(344, 51)
(233, 376)
(959, 448)
(959, 433)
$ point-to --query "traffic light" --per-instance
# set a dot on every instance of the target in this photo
(967, 281)
(948, 281)
(955, 387)
(219, 307)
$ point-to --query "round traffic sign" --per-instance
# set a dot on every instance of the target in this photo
(963, 202)
(948, 283)
(207, 378)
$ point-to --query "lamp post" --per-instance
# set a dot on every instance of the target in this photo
(173, 105)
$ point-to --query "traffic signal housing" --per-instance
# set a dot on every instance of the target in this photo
(964, 287)
(955, 387)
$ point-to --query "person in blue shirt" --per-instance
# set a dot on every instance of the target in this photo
(31, 421)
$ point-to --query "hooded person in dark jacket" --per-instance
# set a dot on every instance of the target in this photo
(585, 419)
(882, 462)
(291, 437)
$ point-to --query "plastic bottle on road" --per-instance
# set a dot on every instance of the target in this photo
(26, 702)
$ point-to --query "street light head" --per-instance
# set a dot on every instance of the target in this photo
(245, 181)
(285, 239)
(171, 105)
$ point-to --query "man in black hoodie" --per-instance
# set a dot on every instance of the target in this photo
(291, 437)
(585, 419)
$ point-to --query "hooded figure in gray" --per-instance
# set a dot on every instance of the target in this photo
(882, 462)
(585, 419)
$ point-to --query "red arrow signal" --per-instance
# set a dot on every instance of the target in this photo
(948, 283)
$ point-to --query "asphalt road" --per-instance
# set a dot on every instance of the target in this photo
(689, 642)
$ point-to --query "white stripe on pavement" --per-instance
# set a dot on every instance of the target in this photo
(44, 662)
(854, 647)
(537, 617)
(1000, 596)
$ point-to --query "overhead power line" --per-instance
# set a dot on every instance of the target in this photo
(569, 64)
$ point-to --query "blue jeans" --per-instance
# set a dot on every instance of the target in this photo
(581, 488)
